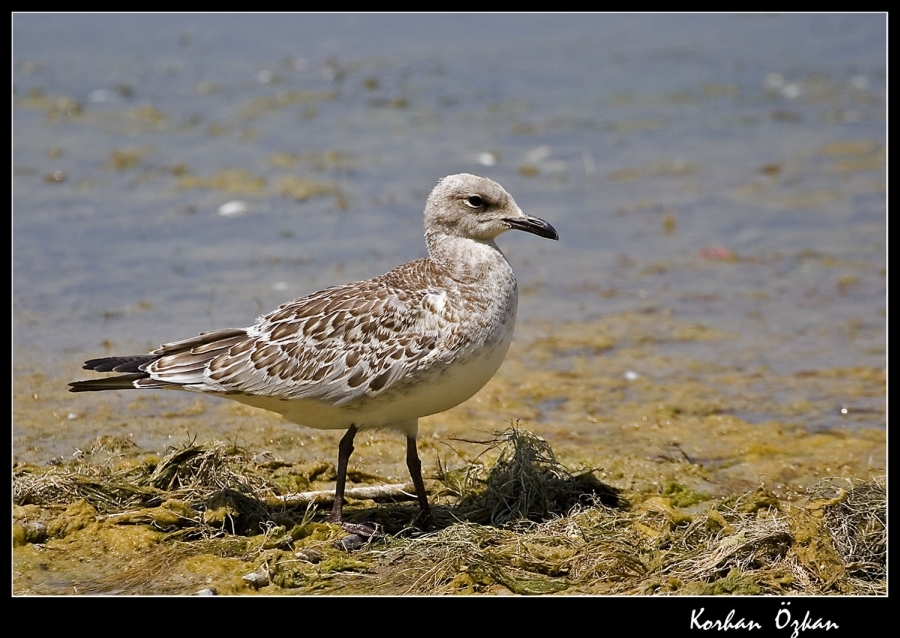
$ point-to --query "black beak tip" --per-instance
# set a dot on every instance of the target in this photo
(535, 226)
(551, 233)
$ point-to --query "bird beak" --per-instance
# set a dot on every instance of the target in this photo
(533, 225)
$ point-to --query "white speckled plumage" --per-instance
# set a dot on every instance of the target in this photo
(378, 353)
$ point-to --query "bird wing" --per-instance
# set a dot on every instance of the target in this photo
(335, 346)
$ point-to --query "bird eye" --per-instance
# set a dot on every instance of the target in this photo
(475, 201)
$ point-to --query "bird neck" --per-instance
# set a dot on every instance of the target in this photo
(466, 259)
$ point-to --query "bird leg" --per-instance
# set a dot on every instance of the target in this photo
(345, 449)
(360, 532)
(415, 471)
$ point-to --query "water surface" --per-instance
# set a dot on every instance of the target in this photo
(720, 171)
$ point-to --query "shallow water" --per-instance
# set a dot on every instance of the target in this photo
(720, 171)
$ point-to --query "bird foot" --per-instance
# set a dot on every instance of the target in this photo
(425, 521)
(366, 530)
(359, 534)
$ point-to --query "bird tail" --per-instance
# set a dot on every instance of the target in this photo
(122, 382)
(132, 365)
(184, 364)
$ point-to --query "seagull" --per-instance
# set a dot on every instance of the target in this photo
(374, 354)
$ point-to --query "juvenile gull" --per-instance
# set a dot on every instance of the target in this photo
(420, 339)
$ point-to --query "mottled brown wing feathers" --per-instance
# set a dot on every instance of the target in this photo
(204, 339)
(336, 345)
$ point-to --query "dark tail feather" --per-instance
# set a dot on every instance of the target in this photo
(123, 382)
(131, 363)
